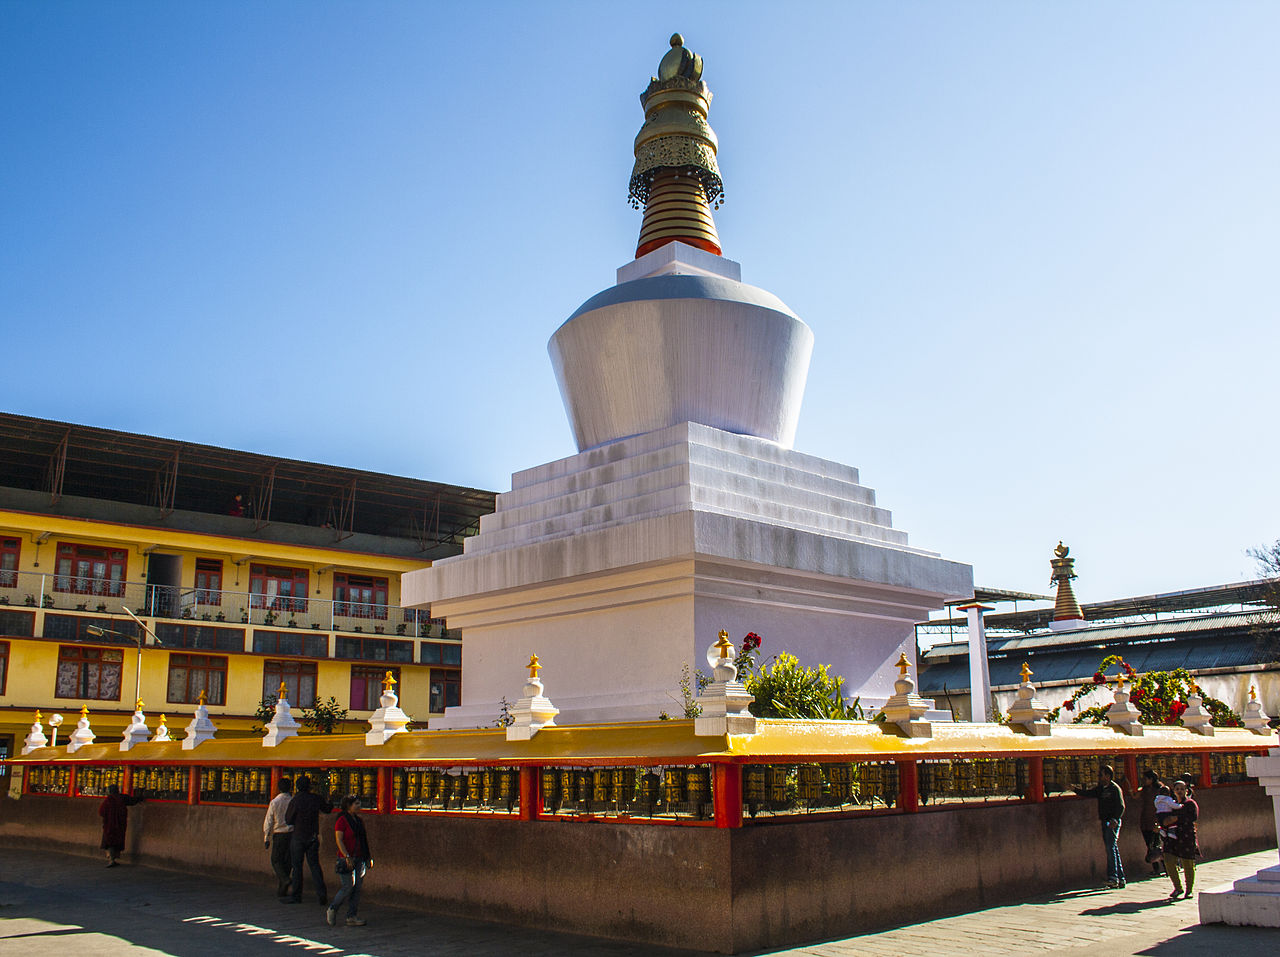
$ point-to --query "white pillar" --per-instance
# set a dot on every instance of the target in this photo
(979, 669)
(1251, 901)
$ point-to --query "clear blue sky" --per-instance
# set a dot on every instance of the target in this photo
(1037, 243)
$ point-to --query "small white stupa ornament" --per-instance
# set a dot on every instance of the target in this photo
(534, 711)
(83, 734)
(200, 728)
(162, 731)
(388, 720)
(137, 732)
(724, 701)
(282, 725)
(1195, 718)
(1123, 714)
(36, 738)
(905, 708)
(1026, 710)
(1255, 719)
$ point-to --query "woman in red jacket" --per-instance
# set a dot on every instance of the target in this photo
(354, 860)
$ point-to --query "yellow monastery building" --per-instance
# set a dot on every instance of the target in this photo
(240, 571)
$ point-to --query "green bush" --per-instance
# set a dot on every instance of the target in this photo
(786, 689)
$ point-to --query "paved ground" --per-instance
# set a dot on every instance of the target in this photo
(52, 904)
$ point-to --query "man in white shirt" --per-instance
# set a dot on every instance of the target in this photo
(276, 835)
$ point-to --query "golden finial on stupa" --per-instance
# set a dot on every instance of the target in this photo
(903, 665)
(162, 720)
(137, 705)
(534, 667)
(675, 177)
(39, 717)
(84, 712)
(283, 693)
(1120, 679)
(389, 680)
(1065, 606)
(1253, 696)
(1026, 672)
(202, 697)
(723, 644)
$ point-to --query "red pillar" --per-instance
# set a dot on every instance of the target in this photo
(1131, 771)
(726, 794)
(276, 775)
(71, 780)
(126, 779)
(1206, 770)
(193, 784)
(1035, 780)
(908, 787)
(386, 801)
(530, 793)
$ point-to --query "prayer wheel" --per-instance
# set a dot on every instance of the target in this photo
(475, 787)
(753, 784)
(673, 785)
(549, 784)
(568, 787)
(602, 785)
(490, 791)
(650, 788)
(624, 785)
(840, 781)
(410, 785)
(697, 782)
(776, 783)
(508, 787)
(809, 783)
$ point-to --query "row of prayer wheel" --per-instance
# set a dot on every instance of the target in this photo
(1228, 767)
(93, 782)
(779, 786)
(235, 785)
(625, 788)
(362, 782)
(494, 788)
(47, 780)
(982, 777)
(168, 783)
(1172, 767)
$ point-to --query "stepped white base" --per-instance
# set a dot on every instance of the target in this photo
(1252, 902)
(620, 565)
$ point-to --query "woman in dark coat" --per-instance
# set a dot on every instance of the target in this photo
(114, 811)
(1181, 847)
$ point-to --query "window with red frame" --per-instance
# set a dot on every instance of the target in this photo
(191, 674)
(4, 665)
(299, 677)
(366, 686)
(90, 570)
(208, 581)
(446, 689)
(10, 552)
(88, 673)
(359, 596)
(277, 588)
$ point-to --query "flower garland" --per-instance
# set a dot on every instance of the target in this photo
(1159, 696)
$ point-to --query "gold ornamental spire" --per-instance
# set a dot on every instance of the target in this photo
(1065, 606)
(675, 176)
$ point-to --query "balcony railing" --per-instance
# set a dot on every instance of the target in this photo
(106, 597)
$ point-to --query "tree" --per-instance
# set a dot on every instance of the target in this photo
(324, 717)
(1267, 632)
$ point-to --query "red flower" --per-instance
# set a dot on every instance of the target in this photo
(1069, 705)
(1137, 693)
(1099, 677)
(751, 642)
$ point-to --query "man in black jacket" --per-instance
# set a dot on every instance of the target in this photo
(304, 814)
(1110, 811)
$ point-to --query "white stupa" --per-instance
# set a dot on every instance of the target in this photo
(686, 510)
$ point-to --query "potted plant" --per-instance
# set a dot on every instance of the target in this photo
(48, 601)
(30, 601)
(377, 629)
(82, 606)
(244, 617)
(102, 607)
(206, 617)
(315, 625)
(220, 617)
(269, 618)
(293, 622)
(400, 628)
(4, 599)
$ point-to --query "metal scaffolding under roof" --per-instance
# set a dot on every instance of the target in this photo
(62, 461)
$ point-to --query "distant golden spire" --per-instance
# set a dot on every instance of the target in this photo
(675, 176)
(1065, 606)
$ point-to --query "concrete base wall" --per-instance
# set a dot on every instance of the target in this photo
(784, 884)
